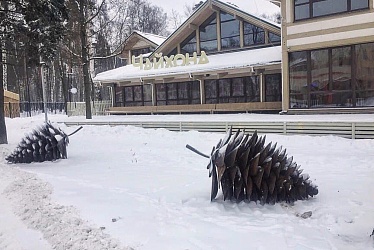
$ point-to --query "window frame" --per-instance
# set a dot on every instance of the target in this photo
(259, 30)
(342, 96)
(133, 102)
(274, 97)
(206, 23)
(266, 35)
(187, 41)
(178, 100)
(311, 14)
(245, 97)
(233, 19)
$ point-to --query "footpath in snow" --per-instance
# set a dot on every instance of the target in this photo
(30, 220)
(128, 186)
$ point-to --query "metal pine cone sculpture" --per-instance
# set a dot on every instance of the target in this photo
(46, 143)
(246, 169)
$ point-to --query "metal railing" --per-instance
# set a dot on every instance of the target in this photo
(79, 108)
(352, 130)
(33, 108)
(28, 109)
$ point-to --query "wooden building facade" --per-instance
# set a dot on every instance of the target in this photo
(11, 104)
(223, 58)
(327, 56)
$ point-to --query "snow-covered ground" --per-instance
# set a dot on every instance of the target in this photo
(125, 187)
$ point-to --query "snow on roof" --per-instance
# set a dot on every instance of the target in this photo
(226, 61)
(262, 9)
(152, 37)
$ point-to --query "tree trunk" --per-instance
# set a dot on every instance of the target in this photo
(86, 76)
(64, 83)
(3, 134)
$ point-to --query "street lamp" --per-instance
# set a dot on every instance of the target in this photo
(70, 84)
(44, 90)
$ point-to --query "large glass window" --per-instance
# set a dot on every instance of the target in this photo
(139, 95)
(253, 35)
(195, 92)
(172, 96)
(189, 45)
(305, 9)
(273, 88)
(323, 78)
(118, 96)
(252, 89)
(183, 93)
(129, 94)
(230, 31)
(274, 38)
(208, 34)
(359, 4)
(161, 94)
(341, 68)
(232, 90)
(178, 93)
(364, 74)
(320, 70)
(238, 90)
(224, 90)
(211, 91)
(298, 79)
(147, 94)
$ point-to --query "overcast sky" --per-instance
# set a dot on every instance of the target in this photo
(177, 5)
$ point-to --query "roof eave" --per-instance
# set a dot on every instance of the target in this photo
(182, 26)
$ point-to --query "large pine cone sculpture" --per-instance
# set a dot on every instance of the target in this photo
(246, 169)
(46, 143)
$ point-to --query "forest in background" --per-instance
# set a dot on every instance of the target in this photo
(107, 24)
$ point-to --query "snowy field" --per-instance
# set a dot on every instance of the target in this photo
(126, 187)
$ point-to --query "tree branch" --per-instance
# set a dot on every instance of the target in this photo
(97, 12)
(70, 51)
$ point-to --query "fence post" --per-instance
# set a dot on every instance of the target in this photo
(10, 111)
(285, 128)
(353, 130)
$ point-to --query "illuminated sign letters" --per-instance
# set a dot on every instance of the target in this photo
(160, 62)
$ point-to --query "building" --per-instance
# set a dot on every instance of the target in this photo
(327, 55)
(139, 43)
(11, 104)
(224, 57)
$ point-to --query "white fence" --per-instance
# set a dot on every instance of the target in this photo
(352, 130)
(79, 108)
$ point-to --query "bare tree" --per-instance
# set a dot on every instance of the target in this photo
(175, 19)
(188, 10)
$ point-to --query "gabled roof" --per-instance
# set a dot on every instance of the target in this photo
(155, 39)
(247, 59)
(261, 9)
(135, 36)
(245, 9)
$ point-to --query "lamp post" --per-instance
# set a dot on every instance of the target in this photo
(42, 63)
(70, 84)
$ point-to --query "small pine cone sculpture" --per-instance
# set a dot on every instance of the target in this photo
(46, 143)
(247, 169)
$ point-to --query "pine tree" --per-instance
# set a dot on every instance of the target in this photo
(41, 25)
(46, 143)
(247, 169)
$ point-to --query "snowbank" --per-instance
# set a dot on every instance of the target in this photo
(149, 192)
